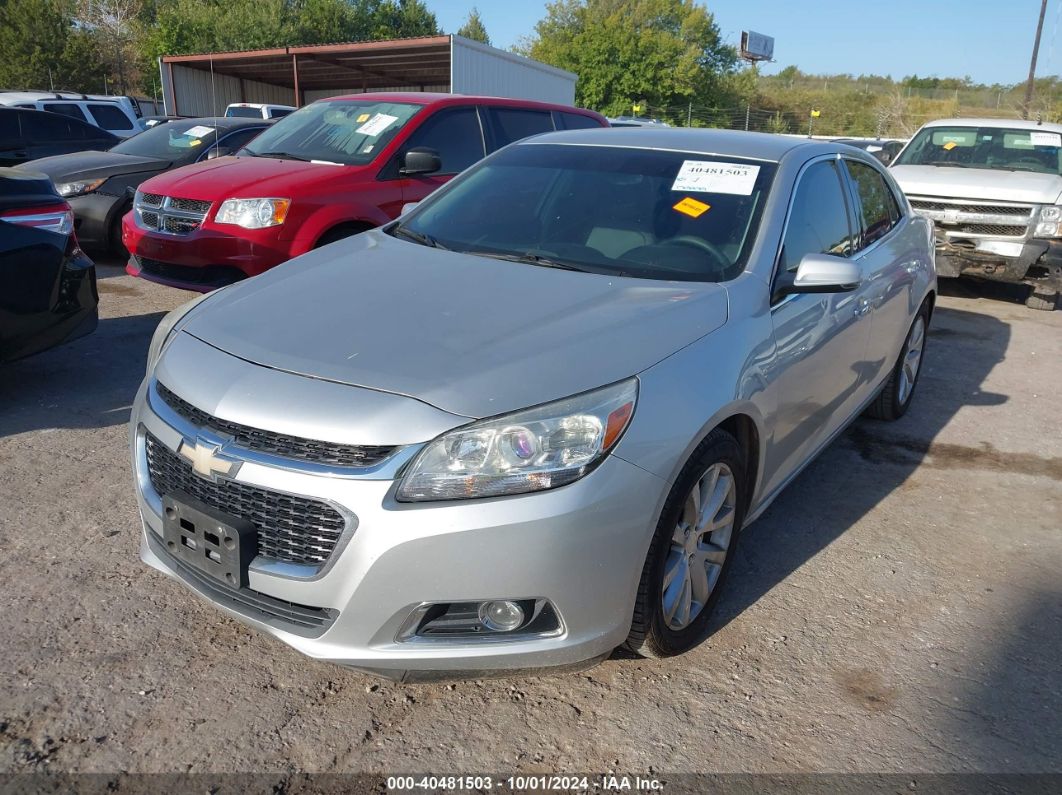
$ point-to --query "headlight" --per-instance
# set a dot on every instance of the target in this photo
(532, 450)
(79, 188)
(166, 327)
(1049, 224)
(253, 213)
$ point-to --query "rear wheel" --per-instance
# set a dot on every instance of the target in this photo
(895, 396)
(1044, 300)
(691, 551)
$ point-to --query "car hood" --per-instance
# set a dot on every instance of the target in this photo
(243, 177)
(470, 335)
(978, 183)
(94, 165)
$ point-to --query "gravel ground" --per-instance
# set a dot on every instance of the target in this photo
(899, 608)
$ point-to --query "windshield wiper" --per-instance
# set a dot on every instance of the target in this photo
(279, 155)
(417, 237)
(531, 259)
(948, 164)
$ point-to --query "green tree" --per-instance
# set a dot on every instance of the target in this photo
(43, 50)
(474, 28)
(669, 52)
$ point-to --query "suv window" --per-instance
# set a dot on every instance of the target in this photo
(279, 113)
(880, 211)
(109, 117)
(65, 109)
(455, 134)
(576, 121)
(9, 133)
(818, 221)
(512, 124)
(50, 127)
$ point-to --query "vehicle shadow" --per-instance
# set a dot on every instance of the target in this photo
(870, 460)
(88, 383)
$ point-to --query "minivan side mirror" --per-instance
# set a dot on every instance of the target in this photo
(824, 273)
(420, 160)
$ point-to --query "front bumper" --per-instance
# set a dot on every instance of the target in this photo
(205, 259)
(1035, 261)
(581, 547)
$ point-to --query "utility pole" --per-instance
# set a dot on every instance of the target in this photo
(689, 116)
(748, 109)
(1032, 63)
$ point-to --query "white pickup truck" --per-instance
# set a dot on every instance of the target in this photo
(993, 188)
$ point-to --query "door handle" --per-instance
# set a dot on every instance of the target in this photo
(862, 307)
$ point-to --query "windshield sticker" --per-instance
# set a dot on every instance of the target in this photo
(198, 132)
(377, 124)
(949, 146)
(362, 118)
(1045, 139)
(196, 142)
(702, 176)
(691, 207)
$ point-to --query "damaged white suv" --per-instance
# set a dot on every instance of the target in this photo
(993, 188)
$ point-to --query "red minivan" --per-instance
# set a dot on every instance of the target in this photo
(331, 169)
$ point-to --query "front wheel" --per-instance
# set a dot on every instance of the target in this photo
(895, 397)
(691, 551)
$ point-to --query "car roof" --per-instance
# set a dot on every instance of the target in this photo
(1013, 124)
(440, 99)
(754, 145)
(228, 122)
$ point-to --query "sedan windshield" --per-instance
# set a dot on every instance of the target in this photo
(177, 141)
(338, 131)
(602, 209)
(997, 148)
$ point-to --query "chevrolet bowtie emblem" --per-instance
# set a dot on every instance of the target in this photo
(206, 459)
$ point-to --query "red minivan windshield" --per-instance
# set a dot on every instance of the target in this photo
(344, 132)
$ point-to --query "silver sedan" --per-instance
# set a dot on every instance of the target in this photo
(526, 423)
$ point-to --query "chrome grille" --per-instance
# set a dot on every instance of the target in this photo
(290, 528)
(279, 444)
(168, 214)
(973, 217)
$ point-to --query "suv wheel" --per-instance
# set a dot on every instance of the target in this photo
(691, 551)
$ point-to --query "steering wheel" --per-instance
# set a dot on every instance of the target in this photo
(701, 244)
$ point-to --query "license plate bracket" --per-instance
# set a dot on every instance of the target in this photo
(207, 539)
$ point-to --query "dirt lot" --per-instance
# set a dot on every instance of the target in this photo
(898, 609)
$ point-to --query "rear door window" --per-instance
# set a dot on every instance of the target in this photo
(110, 117)
(65, 109)
(818, 221)
(879, 208)
(455, 134)
(512, 124)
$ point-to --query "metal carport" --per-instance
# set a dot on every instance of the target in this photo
(204, 84)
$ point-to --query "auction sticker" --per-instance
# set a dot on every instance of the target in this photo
(692, 207)
(198, 132)
(377, 124)
(705, 176)
(1045, 139)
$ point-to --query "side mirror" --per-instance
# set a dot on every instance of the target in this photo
(420, 160)
(217, 151)
(823, 273)
(408, 207)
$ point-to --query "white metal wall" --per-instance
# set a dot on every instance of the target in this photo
(197, 96)
(478, 69)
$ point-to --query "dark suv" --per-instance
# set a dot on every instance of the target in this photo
(29, 134)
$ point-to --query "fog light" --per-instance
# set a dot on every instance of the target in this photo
(501, 616)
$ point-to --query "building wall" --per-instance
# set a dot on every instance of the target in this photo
(313, 96)
(196, 96)
(478, 69)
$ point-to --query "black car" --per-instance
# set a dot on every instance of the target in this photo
(884, 149)
(47, 285)
(31, 134)
(99, 185)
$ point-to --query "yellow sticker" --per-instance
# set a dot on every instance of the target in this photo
(949, 146)
(692, 207)
(196, 142)
(363, 117)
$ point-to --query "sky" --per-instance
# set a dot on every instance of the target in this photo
(888, 37)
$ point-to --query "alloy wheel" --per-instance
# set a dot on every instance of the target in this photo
(912, 359)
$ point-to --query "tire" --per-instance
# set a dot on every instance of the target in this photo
(1043, 300)
(895, 396)
(338, 233)
(651, 633)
